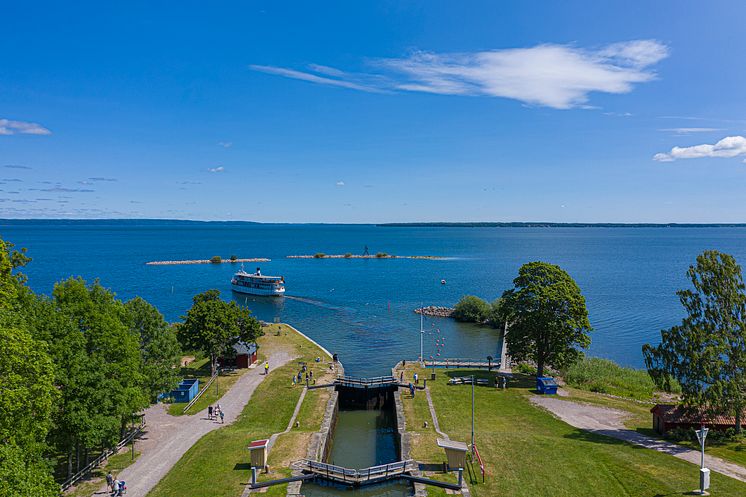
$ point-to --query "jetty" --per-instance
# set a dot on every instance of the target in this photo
(364, 256)
(205, 261)
(435, 311)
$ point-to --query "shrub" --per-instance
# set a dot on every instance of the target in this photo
(382, 255)
(524, 368)
(319, 255)
(216, 259)
(471, 309)
(233, 258)
(348, 255)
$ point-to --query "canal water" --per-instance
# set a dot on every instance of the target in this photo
(363, 438)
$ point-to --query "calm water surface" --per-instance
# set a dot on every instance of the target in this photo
(362, 309)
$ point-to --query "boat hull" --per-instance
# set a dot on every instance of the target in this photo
(269, 292)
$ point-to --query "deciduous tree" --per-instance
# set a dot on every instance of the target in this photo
(706, 353)
(471, 309)
(547, 315)
(213, 326)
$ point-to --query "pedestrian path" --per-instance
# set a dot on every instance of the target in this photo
(610, 422)
(168, 437)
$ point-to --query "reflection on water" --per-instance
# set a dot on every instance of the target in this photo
(393, 488)
(364, 438)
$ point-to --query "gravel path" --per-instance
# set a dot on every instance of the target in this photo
(610, 422)
(168, 437)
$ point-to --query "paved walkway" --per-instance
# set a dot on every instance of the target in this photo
(610, 422)
(431, 406)
(168, 437)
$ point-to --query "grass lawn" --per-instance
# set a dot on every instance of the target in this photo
(641, 420)
(218, 464)
(97, 478)
(201, 369)
(527, 452)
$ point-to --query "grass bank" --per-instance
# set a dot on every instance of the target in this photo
(218, 464)
(93, 482)
(604, 376)
(528, 452)
(200, 369)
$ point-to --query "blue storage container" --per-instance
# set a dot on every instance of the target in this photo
(186, 391)
(546, 385)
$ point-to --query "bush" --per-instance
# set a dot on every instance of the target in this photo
(382, 255)
(319, 255)
(234, 258)
(605, 376)
(471, 309)
(216, 259)
(348, 255)
(524, 368)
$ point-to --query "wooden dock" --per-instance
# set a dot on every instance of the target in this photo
(356, 477)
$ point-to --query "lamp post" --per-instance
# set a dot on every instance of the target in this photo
(422, 331)
(704, 473)
(472, 414)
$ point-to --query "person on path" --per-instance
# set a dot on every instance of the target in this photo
(401, 377)
(293, 379)
(222, 416)
(266, 367)
(117, 490)
(416, 379)
(110, 481)
(209, 412)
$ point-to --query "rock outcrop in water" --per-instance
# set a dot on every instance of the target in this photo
(435, 311)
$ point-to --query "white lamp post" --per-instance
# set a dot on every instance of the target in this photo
(704, 473)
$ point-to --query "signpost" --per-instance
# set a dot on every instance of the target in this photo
(704, 473)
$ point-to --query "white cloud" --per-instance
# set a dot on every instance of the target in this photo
(218, 169)
(340, 183)
(557, 76)
(225, 144)
(8, 127)
(728, 147)
(687, 131)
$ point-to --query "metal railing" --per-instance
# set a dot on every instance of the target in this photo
(104, 456)
(377, 381)
(202, 391)
(357, 476)
(451, 362)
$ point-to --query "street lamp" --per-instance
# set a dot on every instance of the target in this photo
(704, 473)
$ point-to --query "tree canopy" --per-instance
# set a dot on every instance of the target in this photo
(471, 309)
(548, 319)
(213, 326)
(706, 353)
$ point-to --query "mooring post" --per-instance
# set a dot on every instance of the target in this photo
(253, 475)
(460, 477)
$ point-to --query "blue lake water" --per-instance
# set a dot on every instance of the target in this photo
(362, 309)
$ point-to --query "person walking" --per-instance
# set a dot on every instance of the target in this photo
(266, 367)
(209, 412)
(110, 481)
(411, 389)
(416, 379)
(222, 417)
(401, 377)
(116, 488)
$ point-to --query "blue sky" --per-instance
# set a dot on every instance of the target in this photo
(373, 112)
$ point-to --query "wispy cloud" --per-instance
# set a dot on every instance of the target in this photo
(99, 178)
(188, 182)
(61, 189)
(557, 76)
(218, 169)
(10, 127)
(16, 166)
(225, 144)
(728, 147)
(688, 131)
(340, 183)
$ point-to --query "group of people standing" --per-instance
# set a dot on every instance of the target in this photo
(115, 486)
(214, 412)
(299, 377)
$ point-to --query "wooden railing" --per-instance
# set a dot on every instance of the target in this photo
(105, 455)
(203, 390)
(350, 476)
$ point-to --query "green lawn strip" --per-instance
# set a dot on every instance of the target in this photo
(218, 464)
(97, 478)
(200, 369)
(641, 420)
(527, 452)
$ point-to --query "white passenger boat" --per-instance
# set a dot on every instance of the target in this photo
(257, 283)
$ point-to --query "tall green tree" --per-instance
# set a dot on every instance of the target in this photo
(548, 318)
(213, 326)
(159, 347)
(24, 475)
(706, 353)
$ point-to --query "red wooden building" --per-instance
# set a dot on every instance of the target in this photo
(667, 417)
(245, 355)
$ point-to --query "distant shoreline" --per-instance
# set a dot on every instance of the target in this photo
(204, 261)
(560, 225)
(354, 256)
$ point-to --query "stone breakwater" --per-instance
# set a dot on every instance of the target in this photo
(375, 256)
(204, 261)
(435, 311)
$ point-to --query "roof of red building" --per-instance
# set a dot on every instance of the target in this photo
(693, 415)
